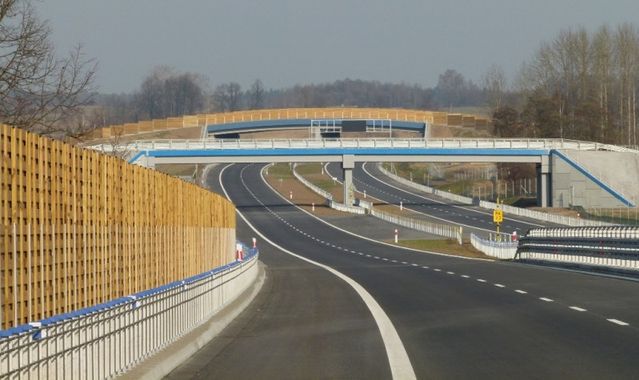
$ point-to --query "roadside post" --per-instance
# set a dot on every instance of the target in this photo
(396, 236)
(498, 218)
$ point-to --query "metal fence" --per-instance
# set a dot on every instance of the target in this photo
(616, 246)
(501, 249)
(329, 197)
(106, 340)
(427, 189)
(537, 215)
(445, 230)
(417, 143)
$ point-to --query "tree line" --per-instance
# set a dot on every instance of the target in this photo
(580, 85)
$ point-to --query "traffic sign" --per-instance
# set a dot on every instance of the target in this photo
(498, 216)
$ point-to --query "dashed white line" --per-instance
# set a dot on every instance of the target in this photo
(546, 299)
(404, 262)
(426, 267)
(465, 276)
(449, 272)
(577, 308)
(500, 285)
(481, 280)
(415, 265)
(617, 322)
(437, 270)
(521, 291)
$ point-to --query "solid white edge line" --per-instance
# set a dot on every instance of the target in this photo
(400, 365)
(364, 237)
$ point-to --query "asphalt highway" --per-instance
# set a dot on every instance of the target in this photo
(369, 178)
(455, 317)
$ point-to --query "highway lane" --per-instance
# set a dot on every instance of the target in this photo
(466, 318)
(304, 322)
(368, 178)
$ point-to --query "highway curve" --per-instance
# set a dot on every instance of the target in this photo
(456, 318)
(369, 178)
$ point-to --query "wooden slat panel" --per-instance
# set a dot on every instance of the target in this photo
(89, 228)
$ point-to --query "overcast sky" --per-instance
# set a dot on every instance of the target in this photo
(287, 42)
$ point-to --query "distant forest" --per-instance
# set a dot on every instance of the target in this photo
(580, 85)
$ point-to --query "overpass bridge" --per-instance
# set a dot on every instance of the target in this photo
(571, 177)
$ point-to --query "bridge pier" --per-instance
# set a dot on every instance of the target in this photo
(348, 164)
(543, 182)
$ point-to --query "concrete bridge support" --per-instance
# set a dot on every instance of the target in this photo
(544, 182)
(348, 164)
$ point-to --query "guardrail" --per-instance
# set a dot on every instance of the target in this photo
(452, 232)
(106, 340)
(451, 143)
(427, 189)
(444, 230)
(329, 197)
(600, 246)
(504, 249)
(545, 217)
(537, 215)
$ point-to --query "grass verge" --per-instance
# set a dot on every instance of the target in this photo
(443, 246)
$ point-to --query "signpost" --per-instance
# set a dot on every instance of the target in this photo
(498, 217)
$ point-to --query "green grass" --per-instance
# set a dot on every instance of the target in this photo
(282, 171)
(457, 187)
(177, 170)
(307, 169)
(444, 246)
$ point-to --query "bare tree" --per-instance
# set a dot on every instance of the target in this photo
(166, 93)
(228, 97)
(494, 83)
(256, 95)
(38, 89)
(602, 52)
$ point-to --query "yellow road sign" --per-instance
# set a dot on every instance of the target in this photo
(498, 216)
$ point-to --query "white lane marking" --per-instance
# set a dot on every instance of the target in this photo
(385, 259)
(481, 280)
(404, 262)
(415, 265)
(500, 285)
(400, 365)
(487, 213)
(426, 267)
(465, 276)
(437, 270)
(449, 272)
(521, 291)
(577, 308)
(617, 322)
(376, 257)
(394, 261)
(546, 299)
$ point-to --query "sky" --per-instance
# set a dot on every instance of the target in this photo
(289, 42)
